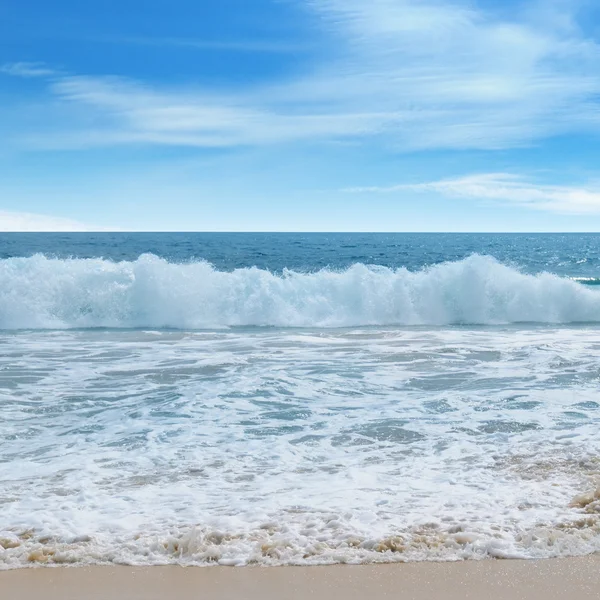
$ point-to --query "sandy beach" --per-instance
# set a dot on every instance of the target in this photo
(573, 578)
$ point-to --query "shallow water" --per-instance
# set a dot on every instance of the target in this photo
(287, 446)
(295, 445)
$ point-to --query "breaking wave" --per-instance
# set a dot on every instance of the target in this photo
(40, 292)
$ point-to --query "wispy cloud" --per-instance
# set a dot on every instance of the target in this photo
(27, 69)
(248, 45)
(506, 188)
(28, 222)
(416, 74)
(129, 112)
(467, 78)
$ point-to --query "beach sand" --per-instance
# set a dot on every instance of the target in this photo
(573, 579)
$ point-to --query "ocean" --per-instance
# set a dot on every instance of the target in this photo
(300, 399)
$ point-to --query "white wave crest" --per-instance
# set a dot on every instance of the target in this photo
(41, 292)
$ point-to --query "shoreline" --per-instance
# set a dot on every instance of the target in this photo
(545, 579)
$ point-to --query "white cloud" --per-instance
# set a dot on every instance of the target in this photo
(27, 69)
(417, 74)
(466, 77)
(240, 45)
(133, 113)
(506, 187)
(28, 222)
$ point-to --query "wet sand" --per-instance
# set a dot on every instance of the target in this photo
(573, 579)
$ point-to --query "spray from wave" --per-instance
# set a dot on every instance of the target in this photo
(41, 292)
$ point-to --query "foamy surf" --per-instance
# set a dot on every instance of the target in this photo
(313, 540)
(271, 447)
(45, 293)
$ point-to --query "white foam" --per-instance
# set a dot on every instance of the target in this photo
(40, 292)
(297, 447)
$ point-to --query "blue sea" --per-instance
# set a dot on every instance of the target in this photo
(272, 399)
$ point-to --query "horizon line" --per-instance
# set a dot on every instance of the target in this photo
(130, 232)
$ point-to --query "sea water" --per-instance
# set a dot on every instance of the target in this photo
(274, 399)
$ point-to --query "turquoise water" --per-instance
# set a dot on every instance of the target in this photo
(277, 399)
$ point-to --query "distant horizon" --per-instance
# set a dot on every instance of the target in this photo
(306, 232)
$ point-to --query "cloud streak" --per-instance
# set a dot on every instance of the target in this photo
(248, 45)
(413, 74)
(505, 188)
(27, 69)
(30, 222)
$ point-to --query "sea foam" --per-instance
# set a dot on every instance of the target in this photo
(47, 293)
(270, 446)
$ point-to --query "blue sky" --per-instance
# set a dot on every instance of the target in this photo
(300, 115)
